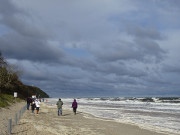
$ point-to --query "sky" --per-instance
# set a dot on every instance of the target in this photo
(94, 48)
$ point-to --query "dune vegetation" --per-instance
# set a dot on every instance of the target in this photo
(10, 83)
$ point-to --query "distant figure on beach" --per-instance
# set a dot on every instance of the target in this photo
(74, 106)
(59, 106)
(29, 101)
(37, 103)
(33, 106)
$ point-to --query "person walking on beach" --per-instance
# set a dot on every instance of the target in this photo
(29, 101)
(74, 106)
(37, 103)
(59, 106)
(33, 106)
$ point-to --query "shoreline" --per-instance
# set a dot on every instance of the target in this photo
(90, 116)
(47, 122)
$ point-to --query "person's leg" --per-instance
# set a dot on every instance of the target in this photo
(74, 110)
(28, 106)
(60, 111)
(37, 110)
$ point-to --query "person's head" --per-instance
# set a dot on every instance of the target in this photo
(74, 100)
(59, 99)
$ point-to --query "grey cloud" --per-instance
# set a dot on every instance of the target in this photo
(25, 48)
(113, 61)
(6, 4)
(150, 50)
(117, 51)
(171, 68)
(141, 50)
(173, 4)
(36, 76)
(70, 88)
(21, 26)
(120, 69)
(144, 46)
(25, 41)
(145, 40)
(140, 32)
(20, 21)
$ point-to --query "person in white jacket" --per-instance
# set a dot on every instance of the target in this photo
(37, 103)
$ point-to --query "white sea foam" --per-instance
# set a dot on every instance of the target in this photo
(157, 115)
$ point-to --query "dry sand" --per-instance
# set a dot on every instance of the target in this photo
(48, 123)
(9, 113)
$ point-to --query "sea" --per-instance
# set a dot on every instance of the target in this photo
(159, 114)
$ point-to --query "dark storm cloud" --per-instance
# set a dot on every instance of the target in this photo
(150, 50)
(172, 68)
(115, 51)
(6, 4)
(142, 47)
(25, 41)
(146, 42)
(120, 69)
(19, 21)
(140, 50)
(27, 48)
(81, 48)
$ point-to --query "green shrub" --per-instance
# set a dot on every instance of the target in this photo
(6, 100)
(3, 102)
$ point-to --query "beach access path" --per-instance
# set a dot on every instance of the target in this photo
(47, 122)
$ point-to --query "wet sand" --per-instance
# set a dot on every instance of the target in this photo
(47, 122)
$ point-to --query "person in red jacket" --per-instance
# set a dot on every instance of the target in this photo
(74, 106)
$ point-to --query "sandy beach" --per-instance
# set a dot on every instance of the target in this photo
(8, 113)
(49, 123)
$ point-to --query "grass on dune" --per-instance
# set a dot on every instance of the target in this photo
(6, 100)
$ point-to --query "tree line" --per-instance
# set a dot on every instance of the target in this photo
(10, 82)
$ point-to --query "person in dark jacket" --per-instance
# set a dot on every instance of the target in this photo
(29, 101)
(74, 106)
